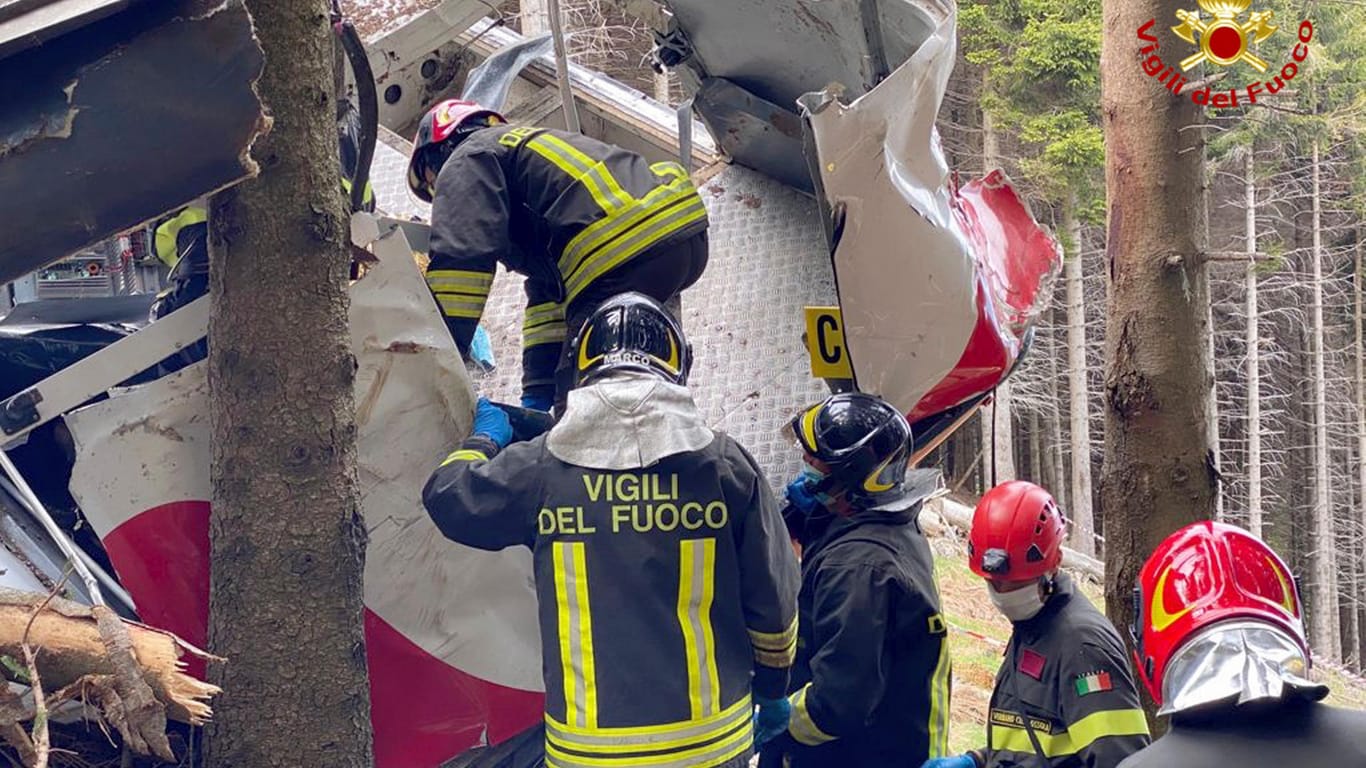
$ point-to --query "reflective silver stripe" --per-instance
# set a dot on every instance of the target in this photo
(547, 334)
(654, 230)
(706, 756)
(576, 634)
(543, 313)
(697, 560)
(802, 727)
(460, 305)
(459, 281)
(604, 231)
(654, 737)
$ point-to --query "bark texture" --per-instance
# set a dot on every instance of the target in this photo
(1079, 399)
(286, 535)
(1158, 473)
(1254, 353)
(1323, 602)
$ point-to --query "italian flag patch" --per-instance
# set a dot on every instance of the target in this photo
(1095, 682)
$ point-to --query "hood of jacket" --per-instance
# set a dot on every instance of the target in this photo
(627, 421)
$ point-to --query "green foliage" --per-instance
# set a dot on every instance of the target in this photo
(1041, 62)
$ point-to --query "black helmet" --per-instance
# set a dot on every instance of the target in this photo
(631, 332)
(862, 440)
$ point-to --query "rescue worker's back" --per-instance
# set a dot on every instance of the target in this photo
(666, 584)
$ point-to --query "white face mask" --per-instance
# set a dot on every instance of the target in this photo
(1020, 605)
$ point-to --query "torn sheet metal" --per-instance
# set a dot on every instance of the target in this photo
(120, 120)
(451, 632)
(773, 52)
(936, 285)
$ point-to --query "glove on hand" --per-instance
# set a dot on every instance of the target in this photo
(771, 719)
(957, 761)
(801, 495)
(492, 422)
(537, 403)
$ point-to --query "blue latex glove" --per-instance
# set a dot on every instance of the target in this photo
(957, 761)
(492, 422)
(771, 719)
(481, 349)
(540, 403)
(801, 495)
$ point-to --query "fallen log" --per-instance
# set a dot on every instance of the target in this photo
(133, 672)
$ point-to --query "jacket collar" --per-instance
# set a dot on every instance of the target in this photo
(919, 485)
(627, 421)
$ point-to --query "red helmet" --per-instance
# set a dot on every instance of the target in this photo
(1201, 575)
(1017, 533)
(430, 148)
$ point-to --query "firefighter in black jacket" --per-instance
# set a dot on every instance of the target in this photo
(666, 583)
(871, 683)
(1064, 695)
(582, 220)
(1221, 648)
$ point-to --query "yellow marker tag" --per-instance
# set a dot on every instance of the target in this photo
(825, 344)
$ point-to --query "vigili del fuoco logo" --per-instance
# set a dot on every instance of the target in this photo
(1223, 38)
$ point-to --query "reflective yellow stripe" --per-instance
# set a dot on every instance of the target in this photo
(550, 334)
(775, 649)
(366, 196)
(801, 726)
(168, 231)
(593, 175)
(460, 281)
(652, 231)
(544, 324)
(668, 168)
(465, 454)
(460, 305)
(1078, 736)
(543, 313)
(575, 635)
(602, 231)
(650, 738)
(939, 703)
(696, 581)
(705, 756)
(774, 641)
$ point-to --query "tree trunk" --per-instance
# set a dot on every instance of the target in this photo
(998, 431)
(1035, 448)
(1254, 354)
(1158, 472)
(1058, 461)
(535, 17)
(286, 537)
(1358, 610)
(1079, 405)
(1324, 594)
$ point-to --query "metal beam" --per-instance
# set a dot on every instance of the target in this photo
(112, 125)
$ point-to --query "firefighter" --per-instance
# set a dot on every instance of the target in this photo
(582, 220)
(871, 681)
(664, 576)
(1064, 694)
(1221, 648)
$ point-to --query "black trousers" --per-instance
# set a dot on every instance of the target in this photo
(661, 274)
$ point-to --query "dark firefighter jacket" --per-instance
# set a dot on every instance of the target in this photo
(1065, 696)
(560, 208)
(871, 682)
(662, 592)
(1285, 734)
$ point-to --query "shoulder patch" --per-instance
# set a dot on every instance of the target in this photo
(1094, 682)
(1031, 663)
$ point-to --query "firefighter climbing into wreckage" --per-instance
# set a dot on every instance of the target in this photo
(1220, 645)
(582, 220)
(1065, 696)
(666, 584)
(871, 681)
